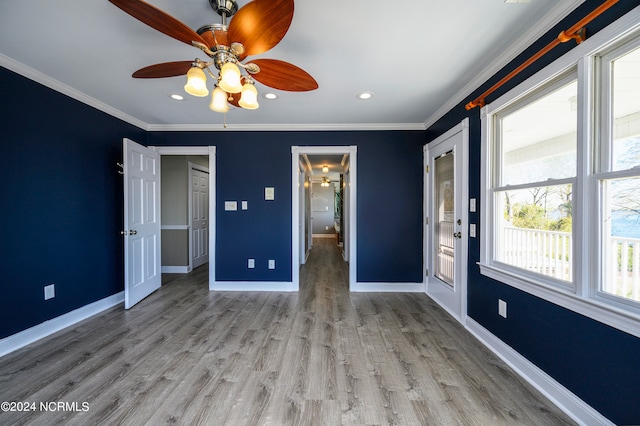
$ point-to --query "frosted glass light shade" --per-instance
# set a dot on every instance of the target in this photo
(230, 78)
(249, 97)
(219, 101)
(196, 82)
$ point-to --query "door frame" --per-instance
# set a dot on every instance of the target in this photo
(296, 152)
(211, 152)
(463, 176)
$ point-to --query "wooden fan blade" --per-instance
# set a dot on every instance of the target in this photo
(261, 24)
(158, 20)
(283, 76)
(234, 98)
(165, 69)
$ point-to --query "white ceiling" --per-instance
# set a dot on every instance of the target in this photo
(418, 57)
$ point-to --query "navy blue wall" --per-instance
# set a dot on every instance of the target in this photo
(596, 362)
(389, 200)
(61, 203)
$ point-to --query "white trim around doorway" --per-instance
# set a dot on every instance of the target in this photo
(296, 152)
(211, 152)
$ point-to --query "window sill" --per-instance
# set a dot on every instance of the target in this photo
(605, 313)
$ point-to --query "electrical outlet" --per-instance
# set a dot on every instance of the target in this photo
(272, 264)
(251, 263)
(472, 230)
(49, 291)
(502, 308)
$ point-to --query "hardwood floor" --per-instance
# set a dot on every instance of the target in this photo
(322, 356)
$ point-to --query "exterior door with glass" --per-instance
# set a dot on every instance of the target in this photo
(446, 224)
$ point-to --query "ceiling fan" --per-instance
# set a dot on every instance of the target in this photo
(255, 28)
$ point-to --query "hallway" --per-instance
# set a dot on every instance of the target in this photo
(324, 356)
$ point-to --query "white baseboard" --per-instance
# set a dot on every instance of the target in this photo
(567, 401)
(252, 286)
(30, 335)
(388, 287)
(176, 269)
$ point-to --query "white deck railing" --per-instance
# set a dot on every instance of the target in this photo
(550, 253)
(623, 270)
(544, 252)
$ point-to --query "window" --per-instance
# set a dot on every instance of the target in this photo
(618, 173)
(534, 170)
(561, 180)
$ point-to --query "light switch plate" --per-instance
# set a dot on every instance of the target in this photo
(231, 205)
(472, 230)
(251, 263)
(472, 205)
(269, 193)
(245, 205)
(272, 264)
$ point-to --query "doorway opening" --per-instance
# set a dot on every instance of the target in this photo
(187, 209)
(323, 203)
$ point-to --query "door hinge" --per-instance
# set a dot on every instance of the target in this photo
(426, 220)
(426, 169)
(426, 272)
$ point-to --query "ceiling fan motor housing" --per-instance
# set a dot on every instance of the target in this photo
(224, 7)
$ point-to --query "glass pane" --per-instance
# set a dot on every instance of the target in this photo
(534, 230)
(621, 238)
(539, 140)
(444, 216)
(626, 111)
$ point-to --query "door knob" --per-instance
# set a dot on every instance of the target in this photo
(134, 232)
(458, 234)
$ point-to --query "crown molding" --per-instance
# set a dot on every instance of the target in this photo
(556, 14)
(28, 72)
(283, 127)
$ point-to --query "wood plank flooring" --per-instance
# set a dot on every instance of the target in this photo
(322, 356)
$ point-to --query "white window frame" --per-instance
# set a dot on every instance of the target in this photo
(583, 297)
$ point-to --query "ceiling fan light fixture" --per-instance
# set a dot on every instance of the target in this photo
(249, 96)
(230, 78)
(219, 101)
(196, 82)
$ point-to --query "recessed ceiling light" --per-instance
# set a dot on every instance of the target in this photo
(270, 96)
(176, 97)
(364, 96)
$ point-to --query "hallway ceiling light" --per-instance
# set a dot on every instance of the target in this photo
(325, 169)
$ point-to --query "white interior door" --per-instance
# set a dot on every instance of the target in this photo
(447, 220)
(199, 217)
(142, 267)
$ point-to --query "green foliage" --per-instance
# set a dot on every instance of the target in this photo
(530, 216)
